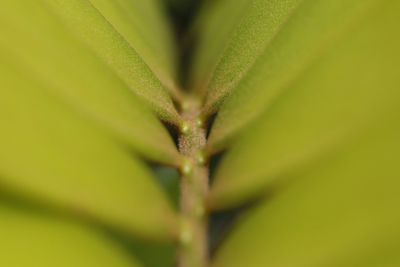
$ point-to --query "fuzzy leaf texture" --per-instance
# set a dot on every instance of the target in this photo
(67, 162)
(72, 70)
(73, 132)
(40, 240)
(322, 157)
(298, 99)
(342, 92)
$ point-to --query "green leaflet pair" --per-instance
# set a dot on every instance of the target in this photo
(306, 97)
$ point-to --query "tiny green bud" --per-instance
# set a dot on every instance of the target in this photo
(201, 159)
(185, 127)
(186, 167)
(199, 122)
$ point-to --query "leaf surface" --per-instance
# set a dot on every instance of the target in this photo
(145, 26)
(312, 30)
(211, 40)
(55, 158)
(30, 239)
(69, 69)
(344, 92)
(343, 212)
(262, 21)
(81, 17)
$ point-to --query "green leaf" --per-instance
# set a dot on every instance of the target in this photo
(246, 41)
(211, 40)
(124, 57)
(30, 239)
(68, 68)
(146, 28)
(346, 90)
(342, 212)
(51, 156)
(313, 29)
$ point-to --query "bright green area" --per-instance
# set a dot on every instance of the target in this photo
(70, 70)
(341, 212)
(261, 21)
(147, 29)
(346, 90)
(30, 240)
(307, 103)
(50, 155)
(108, 31)
(213, 27)
(313, 29)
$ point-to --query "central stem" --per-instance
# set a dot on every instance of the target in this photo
(193, 251)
